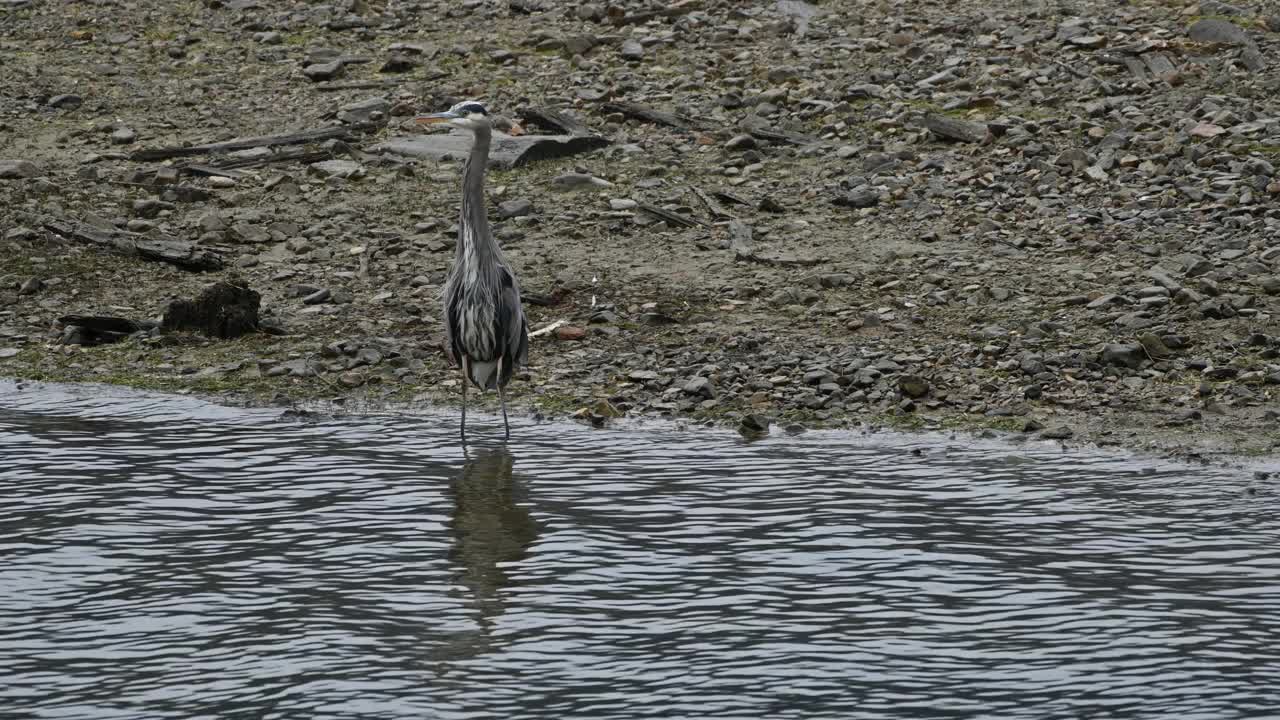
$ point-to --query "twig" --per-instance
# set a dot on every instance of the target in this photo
(548, 329)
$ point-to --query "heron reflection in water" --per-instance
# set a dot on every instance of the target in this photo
(491, 526)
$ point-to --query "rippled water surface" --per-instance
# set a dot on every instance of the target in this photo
(165, 558)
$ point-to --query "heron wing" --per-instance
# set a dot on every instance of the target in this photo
(511, 325)
(452, 308)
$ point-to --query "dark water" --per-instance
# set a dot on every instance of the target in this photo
(169, 559)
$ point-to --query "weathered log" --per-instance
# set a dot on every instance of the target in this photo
(648, 114)
(763, 132)
(98, 329)
(960, 130)
(226, 309)
(618, 16)
(158, 248)
(712, 206)
(105, 323)
(554, 119)
(297, 138)
(671, 218)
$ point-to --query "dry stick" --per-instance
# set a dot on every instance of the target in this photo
(548, 329)
(712, 206)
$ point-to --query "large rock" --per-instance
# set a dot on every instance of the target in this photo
(17, 169)
(1123, 355)
(226, 309)
(1214, 30)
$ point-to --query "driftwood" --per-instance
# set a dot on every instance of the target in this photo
(297, 138)
(731, 197)
(225, 309)
(211, 170)
(760, 131)
(505, 153)
(548, 329)
(98, 329)
(712, 206)
(648, 114)
(555, 120)
(356, 85)
(959, 130)
(618, 16)
(671, 218)
(158, 248)
(302, 156)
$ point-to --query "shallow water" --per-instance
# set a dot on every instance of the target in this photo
(166, 558)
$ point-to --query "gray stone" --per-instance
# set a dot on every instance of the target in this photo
(515, 208)
(1214, 30)
(701, 387)
(1123, 355)
(66, 102)
(632, 50)
(1154, 346)
(6, 353)
(323, 71)
(123, 136)
(17, 169)
(338, 168)
(913, 386)
(1062, 432)
(374, 108)
(753, 424)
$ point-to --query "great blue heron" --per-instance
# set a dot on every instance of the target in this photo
(485, 330)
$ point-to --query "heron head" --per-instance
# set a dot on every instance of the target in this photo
(467, 114)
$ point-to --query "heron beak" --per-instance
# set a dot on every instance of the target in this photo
(434, 118)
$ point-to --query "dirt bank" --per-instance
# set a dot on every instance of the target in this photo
(1060, 221)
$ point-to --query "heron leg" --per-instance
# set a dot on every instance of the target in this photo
(502, 399)
(465, 377)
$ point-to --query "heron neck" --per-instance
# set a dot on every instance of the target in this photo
(474, 215)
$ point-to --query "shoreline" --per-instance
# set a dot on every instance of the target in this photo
(854, 219)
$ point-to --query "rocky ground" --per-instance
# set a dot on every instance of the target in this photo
(1050, 218)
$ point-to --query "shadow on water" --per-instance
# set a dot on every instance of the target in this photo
(492, 527)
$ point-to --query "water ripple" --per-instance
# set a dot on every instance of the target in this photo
(171, 559)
